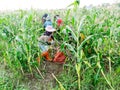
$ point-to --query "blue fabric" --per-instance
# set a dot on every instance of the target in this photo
(43, 47)
(47, 23)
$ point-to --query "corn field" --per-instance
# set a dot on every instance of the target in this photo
(90, 39)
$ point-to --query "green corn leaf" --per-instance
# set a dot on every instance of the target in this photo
(89, 37)
(73, 33)
(81, 23)
(71, 48)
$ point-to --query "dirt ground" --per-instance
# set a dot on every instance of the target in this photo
(48, 83)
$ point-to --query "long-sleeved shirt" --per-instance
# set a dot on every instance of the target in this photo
(47, 23)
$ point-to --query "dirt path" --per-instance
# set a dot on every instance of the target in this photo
(48, 82)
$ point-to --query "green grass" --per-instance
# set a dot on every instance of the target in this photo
(92, 63)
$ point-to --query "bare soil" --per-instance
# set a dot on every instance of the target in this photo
(48, 83)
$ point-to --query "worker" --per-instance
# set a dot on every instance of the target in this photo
(47, 40)
(59, 55)
(58, 21)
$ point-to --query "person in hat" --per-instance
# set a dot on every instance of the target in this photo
(45, 41)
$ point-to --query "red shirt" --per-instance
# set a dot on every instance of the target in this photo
(59, 21)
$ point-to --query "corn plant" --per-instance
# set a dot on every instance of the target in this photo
(90, 39)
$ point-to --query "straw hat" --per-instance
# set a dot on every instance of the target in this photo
(50, 29)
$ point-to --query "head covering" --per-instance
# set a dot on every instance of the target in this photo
(50, 29)
(46, 17)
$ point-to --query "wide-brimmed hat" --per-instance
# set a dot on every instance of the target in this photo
(50, 29)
